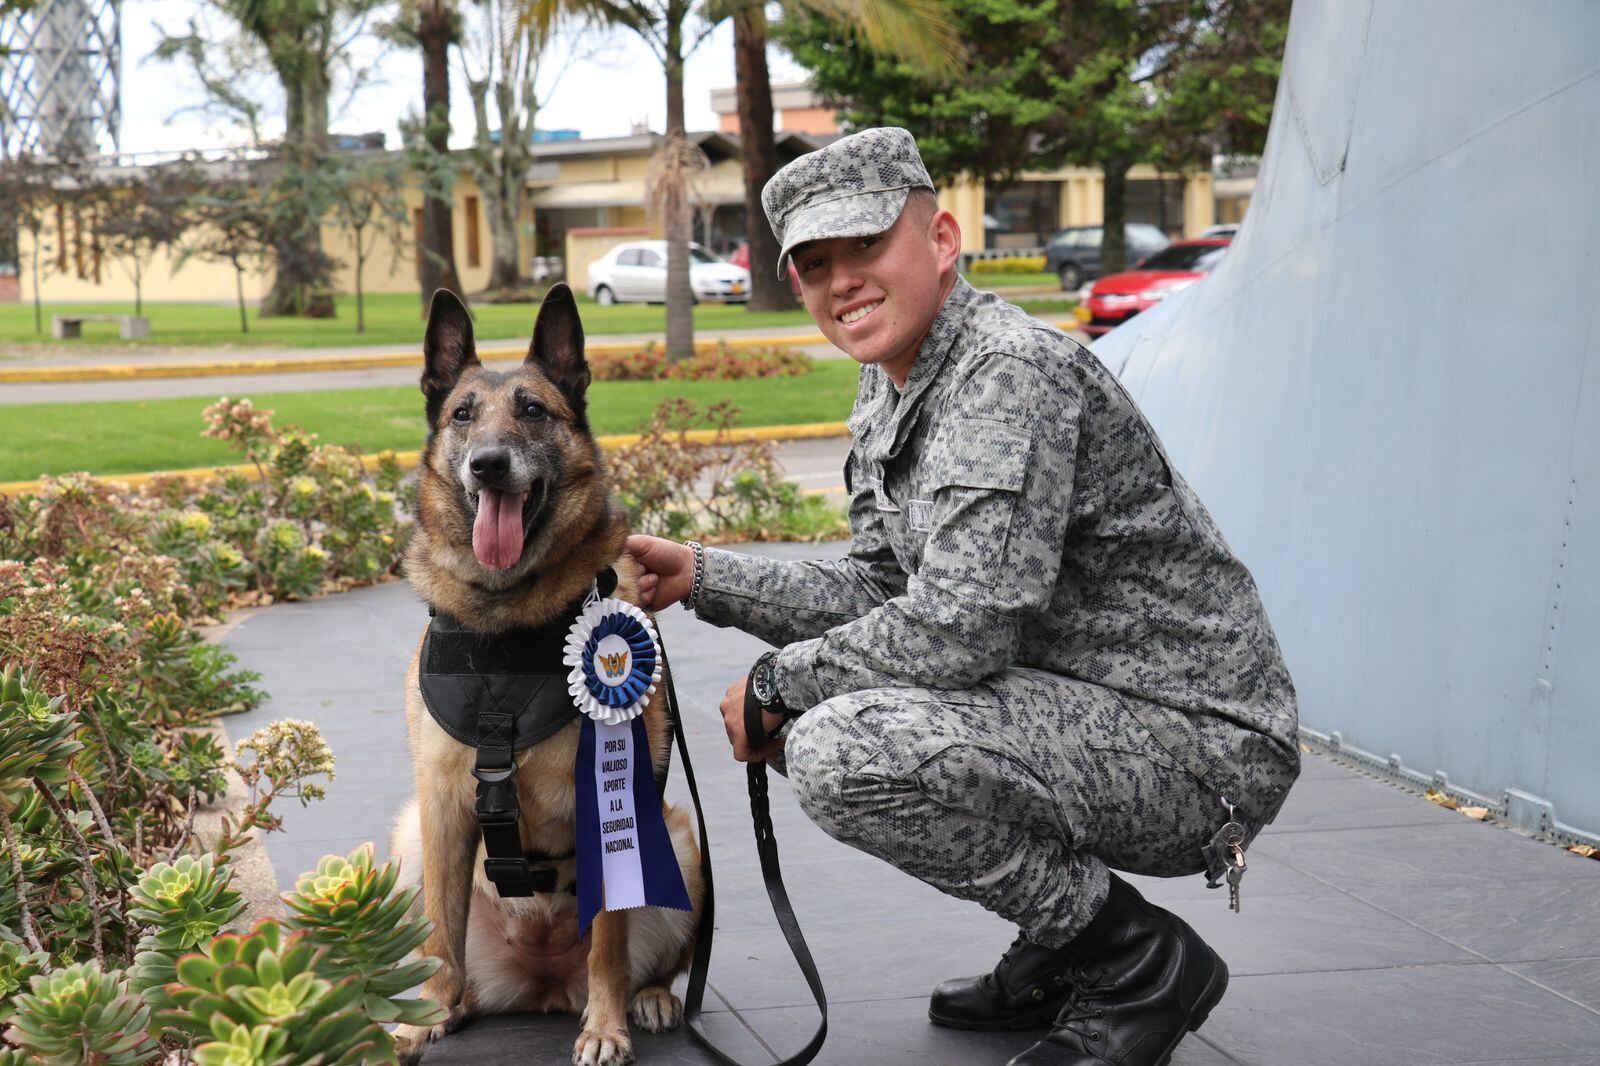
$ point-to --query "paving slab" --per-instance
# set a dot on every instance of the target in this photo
(1377, 928)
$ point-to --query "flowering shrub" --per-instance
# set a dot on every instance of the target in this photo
(721, 363)
(721, 489)
(110, 910)
(1015, 264)
(312, 519)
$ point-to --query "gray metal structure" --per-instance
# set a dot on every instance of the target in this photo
(60, 78)
(1389, 392)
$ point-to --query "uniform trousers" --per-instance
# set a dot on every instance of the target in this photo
(1017, 793)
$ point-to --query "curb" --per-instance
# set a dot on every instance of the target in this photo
(43, 375)
(319, 364)
(408, 460)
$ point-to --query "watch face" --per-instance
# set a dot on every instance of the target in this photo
(766, 682)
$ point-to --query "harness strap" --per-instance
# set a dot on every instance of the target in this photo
(511, 871)
(497, 807)
(767, 850)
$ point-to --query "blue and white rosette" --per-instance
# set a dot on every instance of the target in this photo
(625, 856)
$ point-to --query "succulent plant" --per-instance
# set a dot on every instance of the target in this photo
(82, 1015)
(35, 738)
(358, 916)
(182, 905)
(17, 965)
(269, 979)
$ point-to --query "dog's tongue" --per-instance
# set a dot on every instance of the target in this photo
(497, 533)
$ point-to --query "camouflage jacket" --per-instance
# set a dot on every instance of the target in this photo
(1011, 506)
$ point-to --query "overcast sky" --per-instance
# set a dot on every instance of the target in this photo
(603, 96)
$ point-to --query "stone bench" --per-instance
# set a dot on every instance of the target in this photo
(133, 327)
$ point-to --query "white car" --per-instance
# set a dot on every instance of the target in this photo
(637, 273)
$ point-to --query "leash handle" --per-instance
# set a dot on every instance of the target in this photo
(771, 874)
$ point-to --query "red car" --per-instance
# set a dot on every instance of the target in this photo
(741, 257)
(1118, 297)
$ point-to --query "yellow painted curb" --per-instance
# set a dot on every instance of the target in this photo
(408, 460)
(20, 375)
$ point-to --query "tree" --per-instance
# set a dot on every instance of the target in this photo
(142, 212)
(921, 32)
(1052, 82)
(28, 192)
(671, 30)
(432, 26)
(231, 223)
(503, 54)
(303, 42)
(371, 205)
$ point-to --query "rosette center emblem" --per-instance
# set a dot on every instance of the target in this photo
(615, 661)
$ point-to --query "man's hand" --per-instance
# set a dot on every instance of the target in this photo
(668, 570)
(733, 722)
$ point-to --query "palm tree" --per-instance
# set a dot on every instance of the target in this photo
(918, 31)
(436, 25)
(671, 30)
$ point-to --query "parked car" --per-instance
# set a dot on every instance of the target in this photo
(1222, 229)
(1117, 298)
(741, 258)
(1073, 255)
(637, 273)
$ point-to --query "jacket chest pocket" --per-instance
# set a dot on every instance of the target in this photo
(970, 483)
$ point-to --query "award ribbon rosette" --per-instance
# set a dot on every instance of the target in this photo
(625, 856)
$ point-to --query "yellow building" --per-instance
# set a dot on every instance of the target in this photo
(587, 195)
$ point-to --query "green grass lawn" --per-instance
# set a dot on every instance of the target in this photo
(1048, 306)
(1012, 281)
(392, 318)
(131, 436)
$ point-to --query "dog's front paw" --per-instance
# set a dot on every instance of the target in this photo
(599, 1046)
(656, 1009)
(410, 1041)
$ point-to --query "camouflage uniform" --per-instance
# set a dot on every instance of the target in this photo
(1040, 656)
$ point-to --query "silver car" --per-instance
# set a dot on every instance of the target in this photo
(637, 273)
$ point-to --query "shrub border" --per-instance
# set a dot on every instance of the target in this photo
(408, 460)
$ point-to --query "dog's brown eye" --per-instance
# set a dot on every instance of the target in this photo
(462, 414)
(535, 409)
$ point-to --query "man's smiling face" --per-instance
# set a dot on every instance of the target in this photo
(876, 297)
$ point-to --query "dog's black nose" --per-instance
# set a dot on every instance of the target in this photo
(491, 463)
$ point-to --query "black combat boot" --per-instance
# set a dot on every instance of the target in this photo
(1141, 980)
(1027, 988)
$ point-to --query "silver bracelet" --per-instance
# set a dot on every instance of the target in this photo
(699, 573)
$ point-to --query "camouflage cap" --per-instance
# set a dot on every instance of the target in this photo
(854, 187)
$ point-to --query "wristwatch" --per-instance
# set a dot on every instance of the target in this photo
(761, 691)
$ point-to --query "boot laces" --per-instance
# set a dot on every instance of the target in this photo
(1004, 965)
(1082, 1008)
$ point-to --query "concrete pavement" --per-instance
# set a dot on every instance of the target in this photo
(251, 384)
(1377, 929)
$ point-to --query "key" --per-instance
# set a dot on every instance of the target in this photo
(1220, 852)
(1235, 875)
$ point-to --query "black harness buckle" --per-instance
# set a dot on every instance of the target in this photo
(513, 877)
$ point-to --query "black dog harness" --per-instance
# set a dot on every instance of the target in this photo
(503, 692)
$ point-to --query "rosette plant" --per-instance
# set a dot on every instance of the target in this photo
(355, 914)
(182, 905)
(36, 740)
(266, 983)
(82, 1015)
(17, 965)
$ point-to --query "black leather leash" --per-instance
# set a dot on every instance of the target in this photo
(767, 850)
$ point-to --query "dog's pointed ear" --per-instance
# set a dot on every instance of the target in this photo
(557, 346)
(447, 349)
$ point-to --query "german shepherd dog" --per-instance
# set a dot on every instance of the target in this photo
(514, 519)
